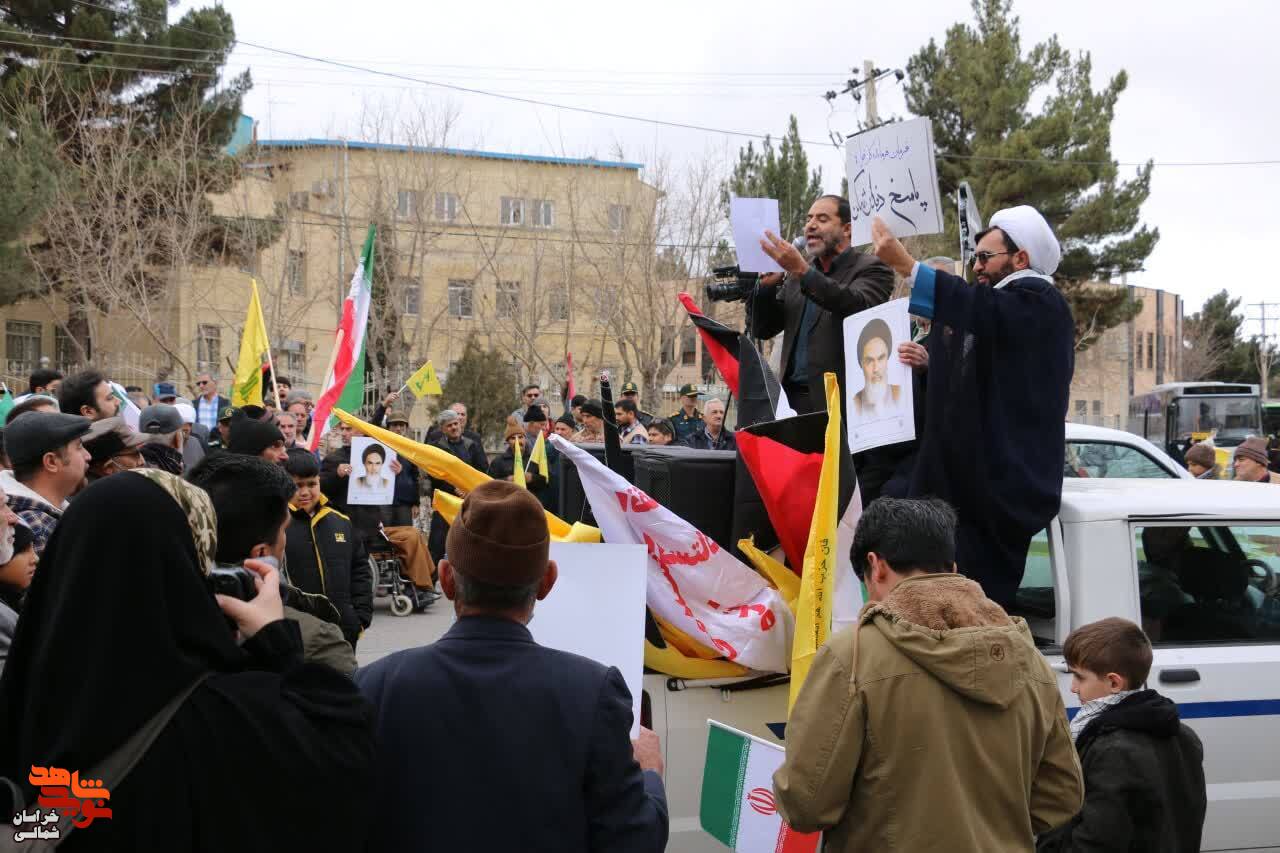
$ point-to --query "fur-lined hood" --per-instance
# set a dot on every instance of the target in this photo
(948, 627)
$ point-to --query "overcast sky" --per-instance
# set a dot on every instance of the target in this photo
(1202, 86)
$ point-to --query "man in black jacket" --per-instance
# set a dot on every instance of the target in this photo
(251, 500)
(324, 552)
(1144, 785)
(469, 451)
(537, 736)
(820, 290)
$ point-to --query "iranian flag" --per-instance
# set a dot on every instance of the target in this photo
(344, 381)
(737, 795)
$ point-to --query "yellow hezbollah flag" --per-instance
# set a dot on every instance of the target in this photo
(448, 505)
(817, 581)
(424, 382)
(517, 470)
(247, 389)
(539, 457)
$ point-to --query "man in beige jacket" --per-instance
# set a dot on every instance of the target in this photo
(933, 724)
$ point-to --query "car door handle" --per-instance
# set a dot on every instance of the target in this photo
(1179, 676)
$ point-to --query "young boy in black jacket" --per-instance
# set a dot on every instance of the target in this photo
(1143, 767)
(324, 553)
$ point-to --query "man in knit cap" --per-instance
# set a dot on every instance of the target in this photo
(1202, 462)
(258, 438)
(541, 732)
(994, 438)
(1250, 462)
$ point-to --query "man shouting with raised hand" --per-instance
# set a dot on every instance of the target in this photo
(1000, 365)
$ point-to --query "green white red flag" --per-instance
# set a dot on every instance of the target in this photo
(737, 795)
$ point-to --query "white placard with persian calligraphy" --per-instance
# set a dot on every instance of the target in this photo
(893, 174)
(596, 609)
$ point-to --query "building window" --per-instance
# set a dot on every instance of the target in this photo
(688, 347)
(1097, 412)
(22, 345)
(1151, 350)
(66, 355)
(1082, 410)
(606, 304)
(208, 348)
(249, 264)
(460, 293)
(295, 359)
(446, 207)
(295, 272)
(300, 200)
(544, 213)
(412, 295)
(406, 202)
(508, 301)
(618, 216)
(558, 303)
(512, 211)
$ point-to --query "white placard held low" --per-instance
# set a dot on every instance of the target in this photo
(879, 394)
(371, 481)
(750, 218)
(596, 609)
(893, 174)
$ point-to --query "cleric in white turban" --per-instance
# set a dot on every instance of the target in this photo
(1001, 355)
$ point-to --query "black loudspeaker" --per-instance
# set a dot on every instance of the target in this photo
(573, 500)
(697, 485)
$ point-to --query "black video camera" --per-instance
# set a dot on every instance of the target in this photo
(731, 285)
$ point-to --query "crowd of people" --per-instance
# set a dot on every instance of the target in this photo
(1254, 460)
(219, 581)
(211, 668)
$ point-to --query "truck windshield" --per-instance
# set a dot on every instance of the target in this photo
(1231, 419)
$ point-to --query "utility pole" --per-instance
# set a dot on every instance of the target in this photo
(1265, 352)
(873, 115)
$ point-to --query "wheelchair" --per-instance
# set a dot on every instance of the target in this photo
(389, 579)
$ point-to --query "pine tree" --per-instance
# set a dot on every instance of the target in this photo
(782, 174)
(486, 382)
(1214, 349)
(978, 89)
(73, 74)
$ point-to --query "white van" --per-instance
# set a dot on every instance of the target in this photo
(1196, 563)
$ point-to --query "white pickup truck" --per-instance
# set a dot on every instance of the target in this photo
(1196, 563)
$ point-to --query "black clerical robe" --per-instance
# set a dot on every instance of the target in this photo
(994, 436)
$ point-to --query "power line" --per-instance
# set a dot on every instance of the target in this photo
(471, 231)
(287, 83)
(471, 90)
(520, 68)
(797, 87)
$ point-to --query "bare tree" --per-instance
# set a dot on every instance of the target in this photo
(1202, 352)
(128, 219)
(641, 249)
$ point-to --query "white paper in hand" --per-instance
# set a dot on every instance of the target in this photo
(750, 218)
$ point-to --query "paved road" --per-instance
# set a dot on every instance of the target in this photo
(390, 633)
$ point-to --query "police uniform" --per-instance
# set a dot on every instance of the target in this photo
(215, 435)
(686, 425)
(644, 417)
